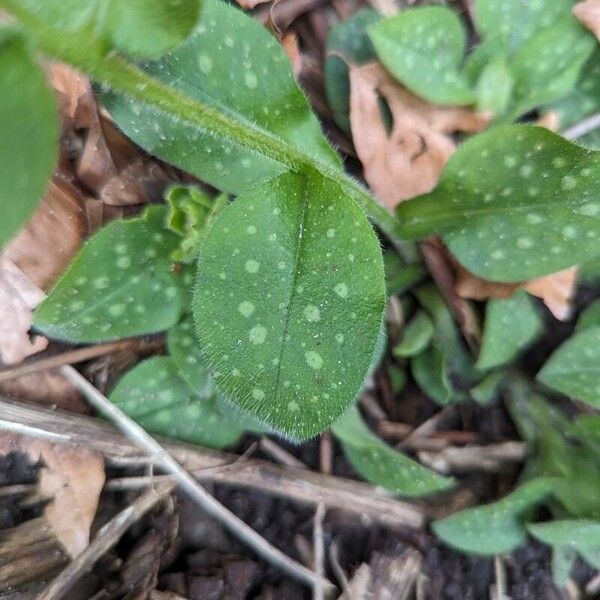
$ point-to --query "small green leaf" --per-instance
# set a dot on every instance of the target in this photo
(590, 317)
(512, 22)
(583, 101)
(548, 65)
(576, 534)
(486, 391)
(29, 140)
(423, 48)
(511, 324)
(495, 528)
(187, 355)
(513, 203)
(156, 397)
(191, 212)
(289, 302)
(431, 374)
(347, 43)
(121, 284)
(574, 369)
(399, 276)
(416, 337)
(494, 87)
(143, 28)
(382, 465)
(149, 28)
(234, 65)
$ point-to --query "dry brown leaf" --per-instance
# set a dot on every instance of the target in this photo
(50, 239)
(49, 388)
(73, 477)
(109, 164)
(289, 43)
(556, 290)
(407, 161)
(18, 296)
(588, 14)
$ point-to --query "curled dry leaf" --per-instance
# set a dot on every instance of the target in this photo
(555, 290)
(73, 477)
(588, 14)
(18, 296)
(109, 163)
(50, 239)
(408, 160)
(289, 43)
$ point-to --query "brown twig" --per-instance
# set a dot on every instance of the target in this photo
(69, 357)
(279, 454)
(105, 539)
(319, 550)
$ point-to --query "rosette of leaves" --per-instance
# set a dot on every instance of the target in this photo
(530, 54)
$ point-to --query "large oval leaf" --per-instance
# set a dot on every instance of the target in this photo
(29, 140)
(233, 64)
(289, 302)
(514, 203)
(120, 284)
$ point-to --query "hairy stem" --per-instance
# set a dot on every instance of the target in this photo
(112, 70)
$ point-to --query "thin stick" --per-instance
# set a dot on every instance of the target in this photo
(319, 550)
(105, 539)
(64, 358)
(279, 454)
(189, 485)
(583, 127)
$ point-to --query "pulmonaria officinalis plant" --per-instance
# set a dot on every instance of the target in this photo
(272, 294)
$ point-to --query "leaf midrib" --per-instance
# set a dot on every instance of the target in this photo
(294, 279)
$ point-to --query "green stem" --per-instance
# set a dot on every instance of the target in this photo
(112, 70)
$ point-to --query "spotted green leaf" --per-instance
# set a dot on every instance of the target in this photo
(235, 66)
(156, 397)
(582, 102)
(424, 48)
(143, 28)
(513, 203)
(574, 369)
(548, 65)
(590, 317)
(382, 465)
(187, 355)
(569, 537)
(29, 140)
(121, 284)
(511, 324)
(513, 22)
(494, 528)
(494, 87)
(347, 43)
(289, 302)
(574, 533)
(416, 336)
